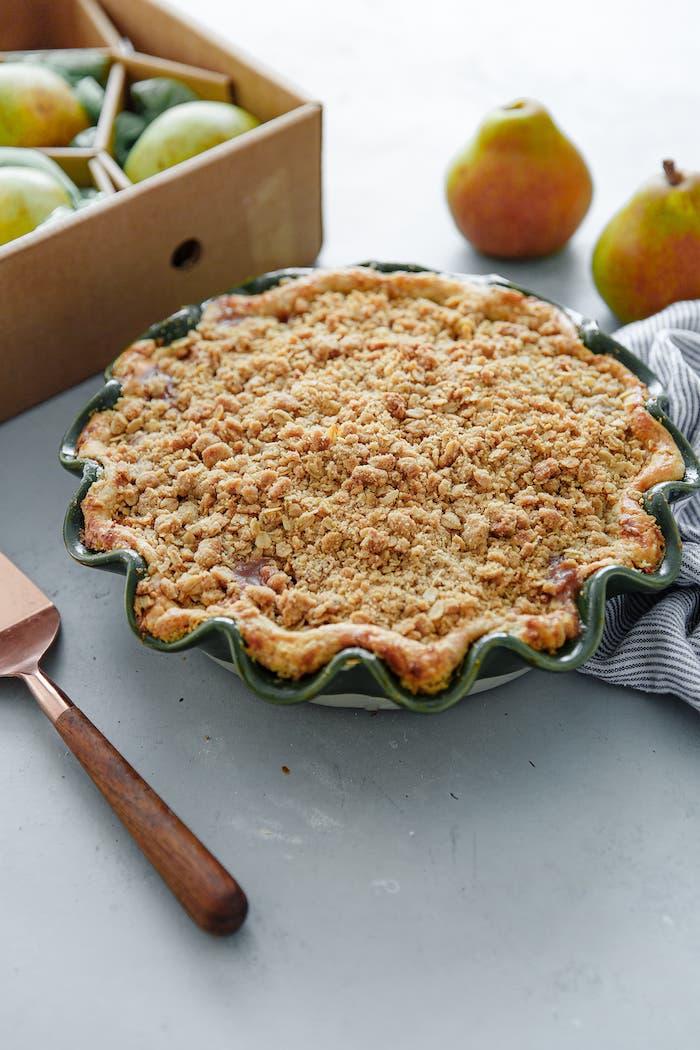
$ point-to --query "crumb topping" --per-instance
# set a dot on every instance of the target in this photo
(399, 461)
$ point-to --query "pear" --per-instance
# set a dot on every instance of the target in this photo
(182, 132)
(27, 198)
(649, 253)
(520, 188)
(37, 107)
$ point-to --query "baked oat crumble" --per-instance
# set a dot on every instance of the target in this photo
(402, 462)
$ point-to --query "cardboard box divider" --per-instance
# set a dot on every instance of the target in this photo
(114, 92)
(115, 174)
(105, 274)
(9, 56)
(99, 176)
(207, 83)
(84, 170)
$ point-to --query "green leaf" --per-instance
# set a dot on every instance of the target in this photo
(127, 128)
(91, 96)
(152, 97)
(85, 139)
(89, 195)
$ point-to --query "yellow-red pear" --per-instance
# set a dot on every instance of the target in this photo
(183, 132)
(27, 198)
(37, 107)
(520, 188)
(649, 253)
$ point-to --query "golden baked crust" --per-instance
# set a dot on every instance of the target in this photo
(402, 462)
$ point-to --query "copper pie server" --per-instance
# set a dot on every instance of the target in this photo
(29, 622)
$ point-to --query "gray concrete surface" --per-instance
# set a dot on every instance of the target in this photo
(520, 872)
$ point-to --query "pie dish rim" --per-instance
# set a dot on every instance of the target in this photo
(494, 652)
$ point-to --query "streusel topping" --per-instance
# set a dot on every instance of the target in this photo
(401, 461)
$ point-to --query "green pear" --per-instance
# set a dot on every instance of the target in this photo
(182, 132)
(27, 198)
(649, 253)
(37, 107)
(520, 188)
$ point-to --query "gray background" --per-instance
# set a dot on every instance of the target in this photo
(518, 872)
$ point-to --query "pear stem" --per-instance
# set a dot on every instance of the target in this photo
(673, 175)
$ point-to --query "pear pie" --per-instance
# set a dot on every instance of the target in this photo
(401, 462)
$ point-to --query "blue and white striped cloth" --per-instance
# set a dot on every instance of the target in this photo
(652, 642)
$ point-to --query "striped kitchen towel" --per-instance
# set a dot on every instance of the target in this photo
(652, 642)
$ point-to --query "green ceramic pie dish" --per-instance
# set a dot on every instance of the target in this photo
(357, 671)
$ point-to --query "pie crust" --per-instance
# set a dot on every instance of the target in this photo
(402, 462)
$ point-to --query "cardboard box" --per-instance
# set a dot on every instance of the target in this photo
(36, 25)
(75, 293)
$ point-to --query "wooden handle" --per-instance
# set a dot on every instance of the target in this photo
(210, 896)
